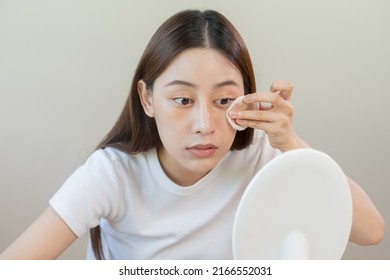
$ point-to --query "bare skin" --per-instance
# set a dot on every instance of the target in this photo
(45, 239)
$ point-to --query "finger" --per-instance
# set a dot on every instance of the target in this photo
(273, 127)
(266, 101)
(269, 97)
(268, 127)
(251, 123)
(259, 116)
(285, 88)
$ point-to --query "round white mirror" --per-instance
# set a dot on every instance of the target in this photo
(298, 206)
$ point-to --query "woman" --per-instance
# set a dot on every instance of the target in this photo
(166, 180)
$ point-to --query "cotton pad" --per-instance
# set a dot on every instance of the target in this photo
(239, 105)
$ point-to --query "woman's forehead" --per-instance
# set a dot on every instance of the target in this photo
(200, 66)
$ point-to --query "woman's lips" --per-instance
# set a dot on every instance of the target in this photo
(202, 150)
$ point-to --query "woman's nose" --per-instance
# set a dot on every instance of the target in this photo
(203, 119)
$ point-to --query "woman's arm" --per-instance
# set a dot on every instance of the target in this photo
(46, 238)
(367, 223)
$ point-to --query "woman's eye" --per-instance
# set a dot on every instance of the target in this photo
(183, 101)
(224, 101)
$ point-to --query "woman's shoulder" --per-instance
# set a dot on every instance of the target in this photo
(259, 134)
(260, 150)
(113, 163)
(258, 141)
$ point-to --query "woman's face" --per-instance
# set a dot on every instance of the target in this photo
(188, 102)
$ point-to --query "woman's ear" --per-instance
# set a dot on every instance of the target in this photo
(146, 98)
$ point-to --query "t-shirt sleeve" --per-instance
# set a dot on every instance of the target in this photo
(92, 192)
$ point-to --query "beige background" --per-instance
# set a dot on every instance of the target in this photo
(65, 68)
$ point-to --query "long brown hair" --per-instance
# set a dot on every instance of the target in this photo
(134, 131)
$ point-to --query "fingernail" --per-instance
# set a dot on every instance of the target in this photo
(266, 105)
(247, 98)
(233, 114)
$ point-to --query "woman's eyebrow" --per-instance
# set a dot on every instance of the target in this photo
(180, 82)
(188, 84)
(227, 83)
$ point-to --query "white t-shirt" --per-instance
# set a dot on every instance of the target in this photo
(144, 215)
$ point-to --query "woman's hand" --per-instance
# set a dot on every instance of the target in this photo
(274, 116)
